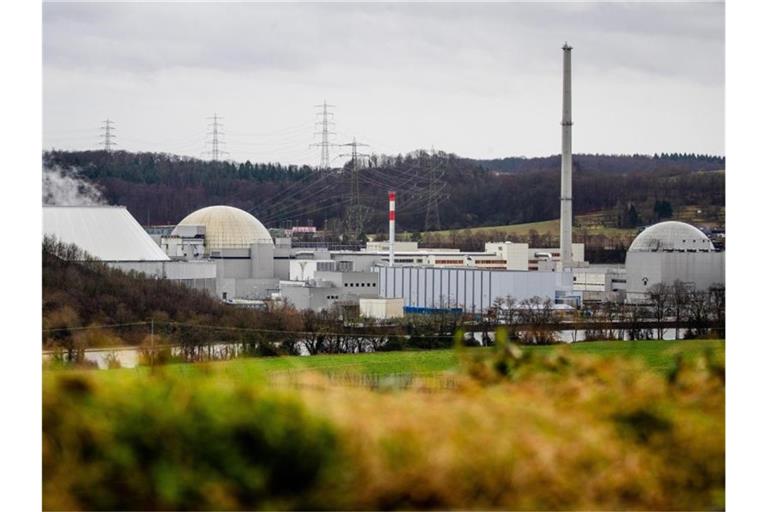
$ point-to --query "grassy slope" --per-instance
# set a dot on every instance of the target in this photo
(658, 355)
(592, 223)
(583, 222)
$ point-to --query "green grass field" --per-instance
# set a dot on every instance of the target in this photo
(658, 355)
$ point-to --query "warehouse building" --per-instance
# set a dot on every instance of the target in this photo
(470, 289)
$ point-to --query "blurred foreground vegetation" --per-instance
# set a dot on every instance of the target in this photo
(516, 429)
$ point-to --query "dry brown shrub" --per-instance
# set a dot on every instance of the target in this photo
(561, 433)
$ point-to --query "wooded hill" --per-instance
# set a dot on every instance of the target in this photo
(610, 163)
(79, 291)
(162, 188)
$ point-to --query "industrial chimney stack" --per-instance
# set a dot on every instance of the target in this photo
(566, 195)
(391, 229)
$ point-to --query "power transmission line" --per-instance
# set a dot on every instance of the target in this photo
(354, 213)
(216, 152)
(324, 144)
(108, 136)
(432, 217)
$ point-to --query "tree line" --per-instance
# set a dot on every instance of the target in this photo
(162, 189)
(611, 163)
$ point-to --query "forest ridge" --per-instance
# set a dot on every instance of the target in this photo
(160, 188)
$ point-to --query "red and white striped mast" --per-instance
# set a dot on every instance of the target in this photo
(391, 228)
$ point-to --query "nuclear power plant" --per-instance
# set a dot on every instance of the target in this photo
(230, 254)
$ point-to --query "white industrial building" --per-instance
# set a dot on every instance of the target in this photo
(599, 283)
(469, 289)
(239, 246)
(381, 308)
(112, 234)
(329, 288)
(496, 256)
(672, 251)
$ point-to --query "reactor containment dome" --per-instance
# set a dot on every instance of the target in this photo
(671, 236)
(227, 227)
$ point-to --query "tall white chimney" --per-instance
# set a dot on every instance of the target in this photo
(566, 170)
(391, 229)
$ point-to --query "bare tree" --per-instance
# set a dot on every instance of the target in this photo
(540, 321)
(680, 296)
(698, 313)
(636, 315)
(717, 300)
(659, 298)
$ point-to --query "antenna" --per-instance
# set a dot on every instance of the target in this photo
(108, 127)
(354, 213)
(324, 144)
(216, 152)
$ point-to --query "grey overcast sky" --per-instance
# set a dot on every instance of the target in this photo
(478, 80)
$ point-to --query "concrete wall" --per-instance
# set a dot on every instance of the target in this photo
(382, 309)
(245, 273)
(255, 288)
(361, 262)
(316, 298)
(303, 270)
(516, 254)
(169, 269)
(186, 248)
(200, 275)
(262, 261)
(470, 289)
(206, 285)
(644, 269)
(384, 246)
(577, 252)
(361, 284)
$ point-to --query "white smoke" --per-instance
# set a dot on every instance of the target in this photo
(65, 187)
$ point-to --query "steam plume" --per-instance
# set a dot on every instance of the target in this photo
(65, 187)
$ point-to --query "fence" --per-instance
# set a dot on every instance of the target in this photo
(426, 382)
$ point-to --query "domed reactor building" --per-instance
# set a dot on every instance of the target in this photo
(672, 251)
(236, 241)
